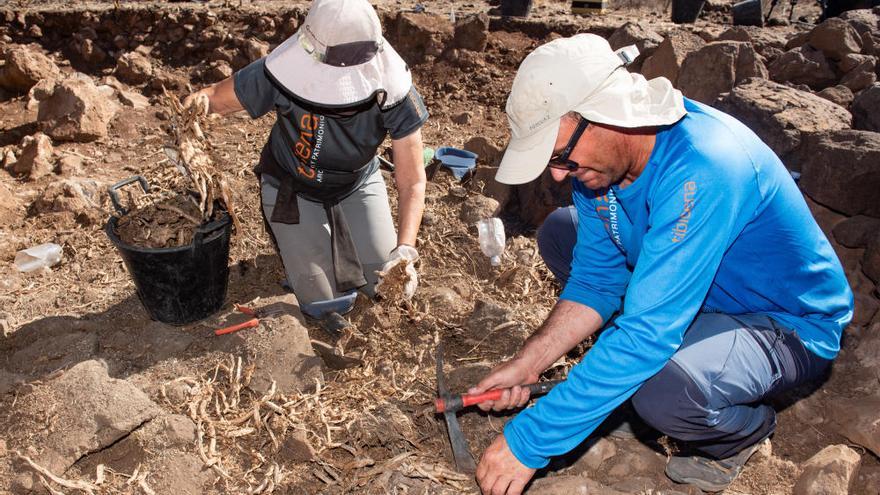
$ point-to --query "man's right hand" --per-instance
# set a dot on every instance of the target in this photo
(510, 374)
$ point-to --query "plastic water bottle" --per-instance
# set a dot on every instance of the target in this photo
(492, 239)
(34, 258)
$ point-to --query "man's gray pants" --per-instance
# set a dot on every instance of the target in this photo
(713, 392)
(305, 247)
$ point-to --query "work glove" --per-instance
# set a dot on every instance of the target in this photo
(200, 101)
(403, 254)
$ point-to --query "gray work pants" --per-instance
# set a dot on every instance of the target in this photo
(305, 247)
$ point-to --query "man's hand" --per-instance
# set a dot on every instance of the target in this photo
(510, 374)
(500, 472)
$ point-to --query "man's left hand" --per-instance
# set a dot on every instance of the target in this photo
(500, 472)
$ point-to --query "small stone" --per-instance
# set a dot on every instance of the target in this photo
(462, 118)
(840, 95)
(69, 165)
(36, 158)
(255, 49)
(134, 68)
(133, 99)
(296, 448)
(218, 71)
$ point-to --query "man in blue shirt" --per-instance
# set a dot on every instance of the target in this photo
(689, 229)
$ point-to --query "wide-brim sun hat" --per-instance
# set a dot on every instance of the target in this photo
(578, 74)
(339, 58)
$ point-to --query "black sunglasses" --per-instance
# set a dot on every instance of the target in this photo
(561, 161)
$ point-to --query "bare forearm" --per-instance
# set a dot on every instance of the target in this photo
(222, 98)
(411, 206)
(409, 174)
(569, 324)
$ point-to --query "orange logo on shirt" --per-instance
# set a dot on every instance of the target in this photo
(303, 148)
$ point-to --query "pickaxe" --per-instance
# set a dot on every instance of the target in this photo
(448, 404)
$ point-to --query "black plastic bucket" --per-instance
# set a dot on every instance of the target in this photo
(686, 11)
(183, 284)
(748, 13)
(516, 8)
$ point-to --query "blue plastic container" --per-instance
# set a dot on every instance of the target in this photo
(459, 162)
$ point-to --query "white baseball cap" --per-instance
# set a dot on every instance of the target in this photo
(581, 74)
(339, 58)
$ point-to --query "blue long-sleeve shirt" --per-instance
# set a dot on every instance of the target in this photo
(714, 223)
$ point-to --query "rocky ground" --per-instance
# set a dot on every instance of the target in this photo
(97, 398)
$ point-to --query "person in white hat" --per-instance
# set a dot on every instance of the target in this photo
(338, 89)
(691, 231)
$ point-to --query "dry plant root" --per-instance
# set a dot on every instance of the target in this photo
(193, 159)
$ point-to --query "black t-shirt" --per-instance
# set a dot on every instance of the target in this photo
(319, 148)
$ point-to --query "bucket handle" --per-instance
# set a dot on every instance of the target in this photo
(114, 197)
(204, 230)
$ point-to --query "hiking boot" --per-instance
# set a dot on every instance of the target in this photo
(334, 323)
(709, 475)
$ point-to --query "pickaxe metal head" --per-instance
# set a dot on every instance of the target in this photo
(464, 461)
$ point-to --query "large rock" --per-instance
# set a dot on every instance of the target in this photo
(37, 157)
(646, 39)
(282, 350)
(534, 200)
(421, 37)
(867, 351)
(864, 108)
(472, 32)
(841, 170)
(858, 420)
(780, 114)
(829, 472)
(25, 67)
(840, 95)
(568, 485)
(871, 259)
(487, 150)
(862, 75)
(477, 207)
(134, 68)
(76, 111)
(835, 38)
(855, 232)
(863, 20)
(10, 212)
(717, 68)
(670, 54)
(90, 411)
(803, 65)
(80, 196)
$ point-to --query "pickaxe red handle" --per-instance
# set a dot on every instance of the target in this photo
(456, 402)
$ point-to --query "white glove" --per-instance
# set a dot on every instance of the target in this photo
(403, 254)
(200, 101)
